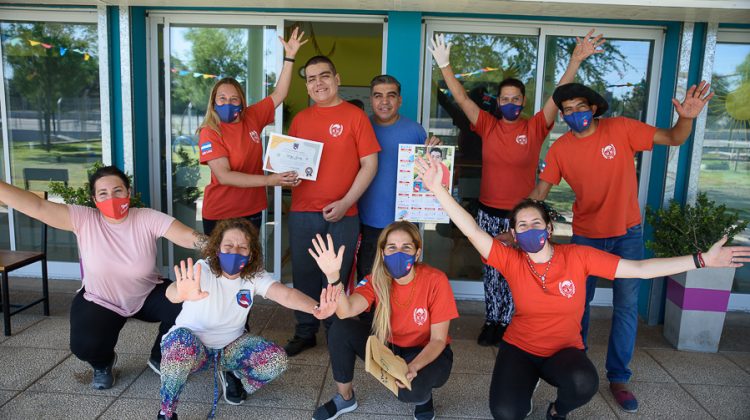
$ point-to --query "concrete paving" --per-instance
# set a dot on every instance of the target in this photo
(41, 379)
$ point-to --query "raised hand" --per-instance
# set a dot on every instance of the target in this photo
(295, 42)
(440, 50)
(430, 173)
(587, 46)
(328, 302)
(433, 141)
(726, 256)
(695, 99)
(188, 281)
(327, 258)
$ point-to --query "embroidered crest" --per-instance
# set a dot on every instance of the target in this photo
(609, 151)
(567, 288)
(522, 139)
(244, 298)
(420, 316)
(254, 136)
(336, 129)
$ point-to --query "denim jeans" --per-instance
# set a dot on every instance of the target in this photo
(624, 300)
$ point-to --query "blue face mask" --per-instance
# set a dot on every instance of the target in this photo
(532, 240)
(511, 112)
(228, 112)
(232, 263)
(579, 121)
(399, 264)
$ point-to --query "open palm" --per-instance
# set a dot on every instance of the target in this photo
(695, 99)
(430, 172)
(726, 256)
(328, 302)
(295, 42)
(588, 46)
(329, 261)
(188, 281)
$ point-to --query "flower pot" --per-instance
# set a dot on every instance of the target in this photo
(696, 307)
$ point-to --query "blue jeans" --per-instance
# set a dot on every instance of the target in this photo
(624, 300)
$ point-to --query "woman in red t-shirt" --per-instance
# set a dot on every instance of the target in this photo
(414, 323)
(230, 145)
(548, 282)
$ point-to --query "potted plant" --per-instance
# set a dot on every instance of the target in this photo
(697, 300)
(185, 191)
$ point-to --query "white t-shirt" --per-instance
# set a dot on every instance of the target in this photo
(220, 318)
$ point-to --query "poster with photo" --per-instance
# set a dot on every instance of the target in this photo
(413, 201)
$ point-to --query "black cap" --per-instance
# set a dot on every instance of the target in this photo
(576, 90)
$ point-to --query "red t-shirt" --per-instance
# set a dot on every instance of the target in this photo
(426, 300)
(600, 169)
(348, 136)
(510, 156)
(549, 320)
(240, 143)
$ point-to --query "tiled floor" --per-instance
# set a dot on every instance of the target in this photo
(39, 378)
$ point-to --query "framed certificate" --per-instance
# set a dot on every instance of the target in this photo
(287, 153)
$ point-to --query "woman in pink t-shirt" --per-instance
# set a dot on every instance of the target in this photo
(117, 247)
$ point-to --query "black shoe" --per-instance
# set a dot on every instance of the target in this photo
(234, 392)
(297, 345)
(553, 417)
(492, 333)
(161, 416)
(155, 365)
(425, 411)
(104, 378)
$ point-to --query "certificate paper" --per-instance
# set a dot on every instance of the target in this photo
(287, 153)
(413, 201)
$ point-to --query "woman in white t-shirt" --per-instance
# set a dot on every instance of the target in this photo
(217, 294)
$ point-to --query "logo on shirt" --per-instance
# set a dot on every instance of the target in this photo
(542, 165)
(522, 139)
(362, 282)
(336, 129)
(206, 148)
(420, 316)
(609, 151)
(254, 136)
(244, 298)
(567, 288)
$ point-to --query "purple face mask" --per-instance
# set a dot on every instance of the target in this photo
(532, 240)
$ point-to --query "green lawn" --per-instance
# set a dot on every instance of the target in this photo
(75, 157)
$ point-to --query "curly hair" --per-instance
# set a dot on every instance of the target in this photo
(213, 247)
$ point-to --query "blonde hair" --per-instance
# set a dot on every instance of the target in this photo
(382, 280)
(212, 120)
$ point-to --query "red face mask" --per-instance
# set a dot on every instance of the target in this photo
(114, 208)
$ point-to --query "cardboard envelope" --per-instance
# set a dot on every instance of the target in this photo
(385, 366)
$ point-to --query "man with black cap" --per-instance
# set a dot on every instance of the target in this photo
(596, 158)
(510, 157)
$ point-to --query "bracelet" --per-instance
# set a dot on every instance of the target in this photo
(700, 258)
(696, 261)
(291, 60)
(335, 283)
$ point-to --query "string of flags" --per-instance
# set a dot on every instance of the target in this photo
(195, 74)
(17, 41)
(475, 72)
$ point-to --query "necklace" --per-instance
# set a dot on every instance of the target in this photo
(542, 277)
(411, 295)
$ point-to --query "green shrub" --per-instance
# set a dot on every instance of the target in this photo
(82, 196)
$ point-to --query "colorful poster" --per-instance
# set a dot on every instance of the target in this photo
(413, 202)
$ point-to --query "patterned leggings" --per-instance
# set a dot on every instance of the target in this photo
(497, 297)
(256, 361)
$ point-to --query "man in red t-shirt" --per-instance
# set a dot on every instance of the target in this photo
(596, 158)
(328, 204)
(510, 156)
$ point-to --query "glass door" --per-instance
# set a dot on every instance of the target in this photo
(193, 53)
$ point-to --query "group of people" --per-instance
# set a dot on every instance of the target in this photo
(537, 292)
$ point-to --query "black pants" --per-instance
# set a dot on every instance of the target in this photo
(516, 373)
(306, 276)
(255, 219)
(94, 329)
(368, 247)
(347, 339)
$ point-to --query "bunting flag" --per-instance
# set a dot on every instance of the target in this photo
(17, 41)
(198, 75)
(475, 72)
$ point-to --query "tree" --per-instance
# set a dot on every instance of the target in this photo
(41, 76)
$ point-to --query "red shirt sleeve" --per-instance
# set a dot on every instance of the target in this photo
(484, 124)
(442, 303)
(597, 262)
(366, 291)
(640, 135)
(538, 125)
(367, 143)
(261, 113)
(211, 145)
(499, 256)
(550, 166)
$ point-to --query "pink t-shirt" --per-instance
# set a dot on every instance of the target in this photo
(119, 260)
